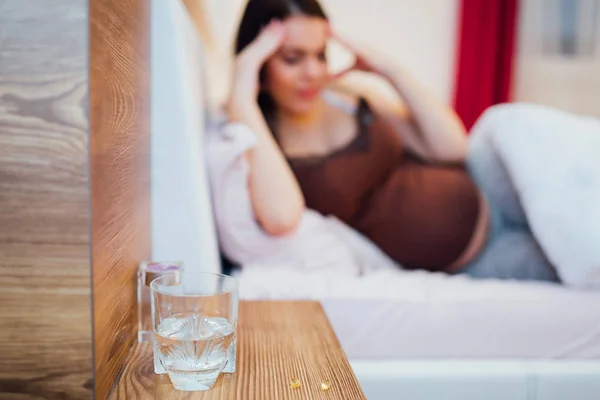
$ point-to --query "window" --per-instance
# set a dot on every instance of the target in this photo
(570, 27)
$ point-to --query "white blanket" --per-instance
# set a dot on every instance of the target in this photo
(553, 160)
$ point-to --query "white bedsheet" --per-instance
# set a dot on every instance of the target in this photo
(423, 315)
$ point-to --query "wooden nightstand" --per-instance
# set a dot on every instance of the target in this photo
(276, 341)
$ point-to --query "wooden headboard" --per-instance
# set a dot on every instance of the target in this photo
(74, 191)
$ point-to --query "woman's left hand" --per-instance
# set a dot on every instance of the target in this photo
(365, 60)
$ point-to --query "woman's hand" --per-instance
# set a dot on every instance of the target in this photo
(277, 201)
(365, 60)
(248, 63)
(426, 125)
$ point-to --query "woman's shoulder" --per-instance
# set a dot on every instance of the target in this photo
(345, 98)
(368, 116)
(376, 97)
(352, 104)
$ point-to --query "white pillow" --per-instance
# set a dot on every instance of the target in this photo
(553, 158)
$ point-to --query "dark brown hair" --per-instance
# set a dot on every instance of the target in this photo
(257, 15)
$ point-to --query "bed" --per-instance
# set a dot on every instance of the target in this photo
(421, 315)
(558, 324)
(436, 335)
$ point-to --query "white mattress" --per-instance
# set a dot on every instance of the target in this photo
(420, 315)
(473, 320)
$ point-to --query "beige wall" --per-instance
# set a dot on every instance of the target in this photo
(418, 34)
(572, 84)
(422, 36)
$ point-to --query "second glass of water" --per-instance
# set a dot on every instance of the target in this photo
(194, 318)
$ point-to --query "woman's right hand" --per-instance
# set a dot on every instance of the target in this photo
(276, 198)
(248, 63)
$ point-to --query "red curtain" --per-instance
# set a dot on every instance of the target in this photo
(485, 56)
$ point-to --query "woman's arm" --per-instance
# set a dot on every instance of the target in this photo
(436, 131)
(276, 197)
(429, 127)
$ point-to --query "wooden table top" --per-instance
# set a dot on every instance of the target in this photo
(277, 341)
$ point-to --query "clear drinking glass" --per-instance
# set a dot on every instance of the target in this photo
(147, 272)
(194, 317)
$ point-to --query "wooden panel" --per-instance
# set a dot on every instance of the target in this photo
(276, 342)
(120, 173)
(45, 327)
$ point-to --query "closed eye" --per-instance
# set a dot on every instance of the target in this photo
(295, 56)
(291, 60)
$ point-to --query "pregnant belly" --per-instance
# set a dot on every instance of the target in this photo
(478, 240)
(426, 218)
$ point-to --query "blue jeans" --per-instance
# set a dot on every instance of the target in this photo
(511, 251)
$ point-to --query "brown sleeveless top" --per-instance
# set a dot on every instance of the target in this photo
(421, 215)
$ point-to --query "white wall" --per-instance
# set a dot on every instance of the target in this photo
(418, 34)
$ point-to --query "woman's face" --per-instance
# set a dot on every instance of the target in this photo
(296, 74)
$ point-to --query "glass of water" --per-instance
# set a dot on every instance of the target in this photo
(194, 317)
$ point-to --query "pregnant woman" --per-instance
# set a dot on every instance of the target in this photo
(396, 174)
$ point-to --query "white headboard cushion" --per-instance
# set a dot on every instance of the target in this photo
(183, 228)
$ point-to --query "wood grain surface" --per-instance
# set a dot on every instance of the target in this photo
(120, 175)
(277, 341)
(45, 324)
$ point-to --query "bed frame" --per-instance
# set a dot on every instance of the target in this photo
(479, 379)
(380, 379)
